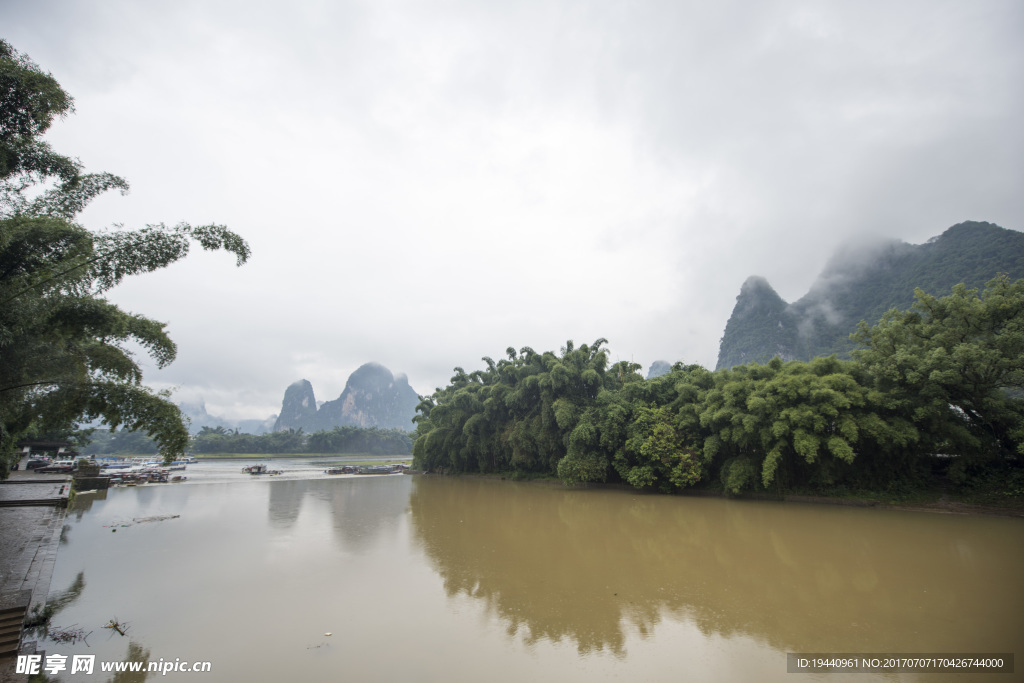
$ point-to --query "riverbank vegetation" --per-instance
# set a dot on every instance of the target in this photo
(933, 394)
(220, 440)
(370, 440)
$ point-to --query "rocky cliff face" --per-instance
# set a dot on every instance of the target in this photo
(862, 282)
(759, 327)
(373, 397)
(298, 409)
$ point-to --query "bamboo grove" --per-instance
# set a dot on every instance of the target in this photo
(67, 354)
(936, 388)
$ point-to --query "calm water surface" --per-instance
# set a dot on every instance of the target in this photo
(442, 579)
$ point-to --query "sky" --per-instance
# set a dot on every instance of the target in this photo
(426, 183)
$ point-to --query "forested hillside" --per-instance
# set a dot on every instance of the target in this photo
(861, 283)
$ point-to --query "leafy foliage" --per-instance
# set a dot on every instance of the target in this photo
(121, 442)
(531, 412)
(801, 422)
(655, 451)
(938, 385)
(956, 364)
(338, 440)
(65, 348)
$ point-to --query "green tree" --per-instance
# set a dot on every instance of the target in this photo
(799, 423)
(532, 412)
(956, 365)
(29, 102)
(656, 452)
(63, 347)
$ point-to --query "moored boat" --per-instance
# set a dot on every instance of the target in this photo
(375, 469)
(60, 467)
(260, 469)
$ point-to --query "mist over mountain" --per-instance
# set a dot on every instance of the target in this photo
(659, 368)
(373, 397)
(199, 418)
(861, 282)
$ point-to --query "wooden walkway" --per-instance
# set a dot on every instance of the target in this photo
(32, 508)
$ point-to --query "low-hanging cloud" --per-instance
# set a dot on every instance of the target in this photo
(426, 185)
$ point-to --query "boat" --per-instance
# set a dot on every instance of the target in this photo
(116, 465)
(375, 469)
(260, 469)
(61, 466)
(136, 477)
(341, 469)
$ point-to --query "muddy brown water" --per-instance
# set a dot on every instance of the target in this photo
(422, 578)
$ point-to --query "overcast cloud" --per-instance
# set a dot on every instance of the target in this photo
(426, 183)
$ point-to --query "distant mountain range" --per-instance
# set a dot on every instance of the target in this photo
(373, 397)
(862, 282)
(199, 418)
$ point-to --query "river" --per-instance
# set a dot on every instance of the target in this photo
(423, 578)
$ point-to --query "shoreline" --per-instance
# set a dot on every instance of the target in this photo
(295, 456)
(944, 505)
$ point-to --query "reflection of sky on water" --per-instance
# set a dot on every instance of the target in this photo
(359, 512)
(504, 581)
(195, 569)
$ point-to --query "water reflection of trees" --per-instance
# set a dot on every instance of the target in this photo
(286, 502)
(587, 565)
(365, 508)
(39, 621)
(136, 653)
(57, 602)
